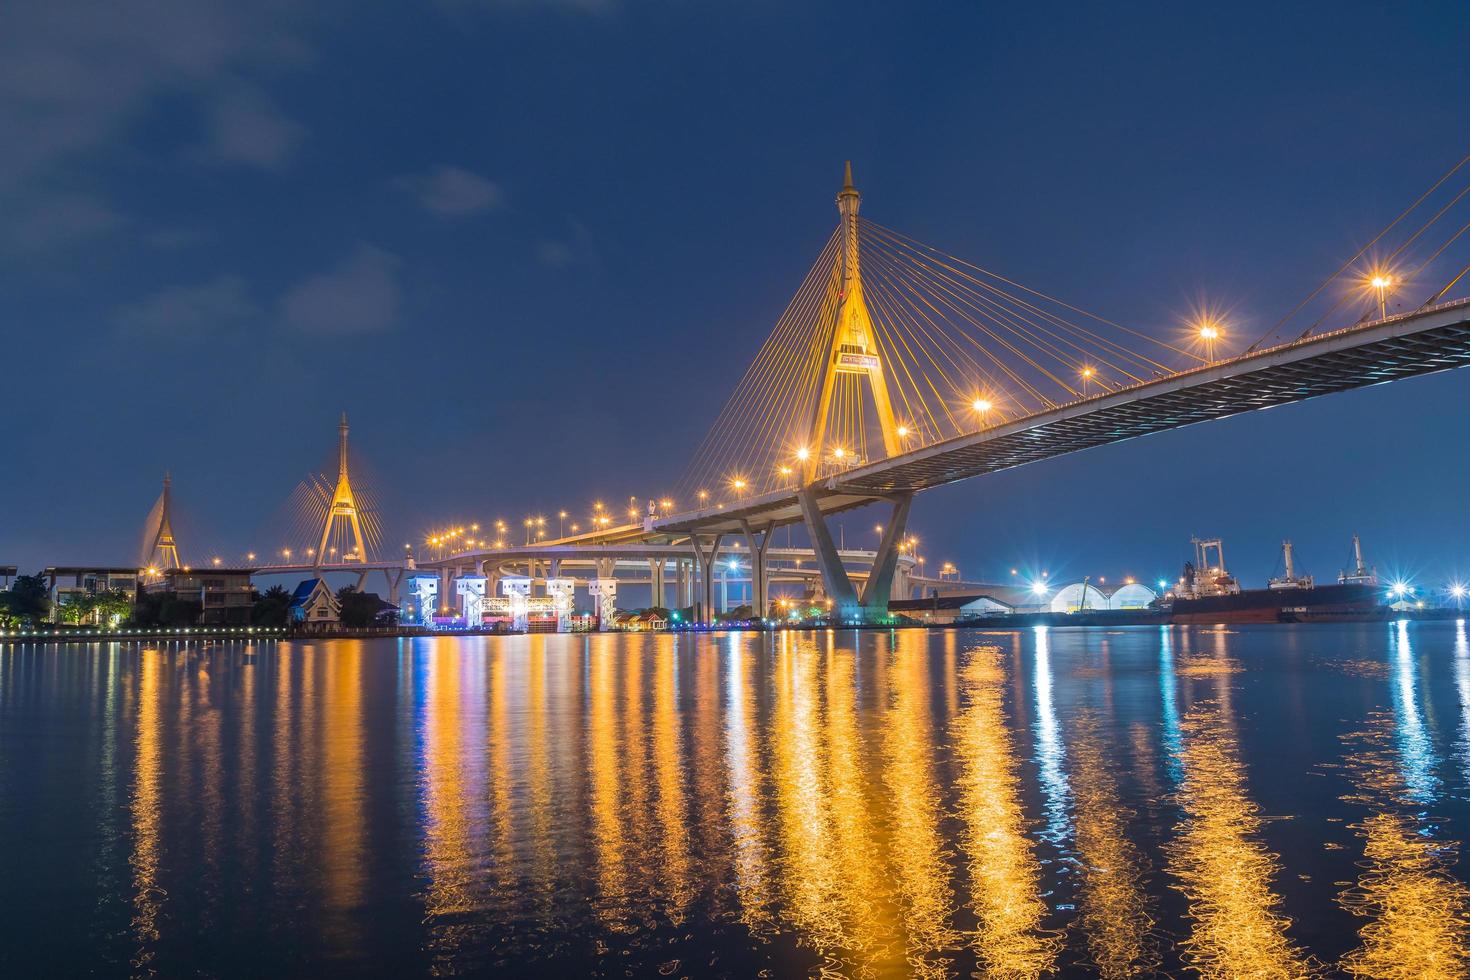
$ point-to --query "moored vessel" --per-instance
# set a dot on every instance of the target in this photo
(1207, 593)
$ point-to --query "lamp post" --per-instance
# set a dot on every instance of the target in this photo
(1209, 333)
(1380, 283)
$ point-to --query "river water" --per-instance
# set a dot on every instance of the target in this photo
(1115, 802)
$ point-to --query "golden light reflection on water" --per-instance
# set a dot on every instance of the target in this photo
(869, 800)
(1222, 867)
(808, 875)
(609, 837)
(148, 895)
(1418, 911)
(1004, 875)
(750, 852)
(1113, 906)
(344, 833)
(864, 898)
(453, 790)
(918, 861)
(674, 863)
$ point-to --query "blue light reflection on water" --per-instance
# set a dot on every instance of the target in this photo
(1462, 685)
(1173, 735)
(1417, 755)
(1051, 752)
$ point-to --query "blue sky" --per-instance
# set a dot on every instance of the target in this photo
(529, 247)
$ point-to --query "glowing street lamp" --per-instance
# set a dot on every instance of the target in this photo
(1380, 283)
(1087, 375)
(1209, 333)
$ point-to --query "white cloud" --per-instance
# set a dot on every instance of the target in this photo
(554, 254)
(359, 295)
(188, 312)
(75, 74)
(42, 222)
(244, 127)
(453, 191)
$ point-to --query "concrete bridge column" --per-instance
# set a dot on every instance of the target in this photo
(758, 542)
(394, 576)
(656, 578)
(879, 587)
(834, 576)
(706, 562)
(683, 571)
(447, 576)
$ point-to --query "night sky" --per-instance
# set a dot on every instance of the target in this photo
(530, 248)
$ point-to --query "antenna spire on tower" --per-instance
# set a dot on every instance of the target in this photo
(854, 347)
(343, 507)
(162, 551)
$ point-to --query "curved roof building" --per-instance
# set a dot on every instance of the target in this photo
(1132, 596)
(1078, 595)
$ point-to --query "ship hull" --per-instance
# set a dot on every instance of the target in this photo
(1326, 603)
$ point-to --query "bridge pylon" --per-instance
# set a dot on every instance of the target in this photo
(343, 507)
(854, 345)
(161, 551)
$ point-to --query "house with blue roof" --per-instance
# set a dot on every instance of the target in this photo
(314, 605)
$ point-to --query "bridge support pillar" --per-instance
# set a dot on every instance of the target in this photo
(873, 603)
(393, 576)
(705, 561)
(879, 587)
(683, 572)
(834, 577)
(447, 576)
(758, 542)
(604, 593)
(656, 580)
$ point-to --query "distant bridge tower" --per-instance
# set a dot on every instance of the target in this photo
(161, 552)
(343, 508)
(854, 348)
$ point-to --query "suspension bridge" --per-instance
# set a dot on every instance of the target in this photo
(897, 368)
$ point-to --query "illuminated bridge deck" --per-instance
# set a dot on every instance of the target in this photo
(1389, 350)
(1404, 346)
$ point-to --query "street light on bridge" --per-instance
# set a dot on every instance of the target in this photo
(1209, 332)
(1380, 283)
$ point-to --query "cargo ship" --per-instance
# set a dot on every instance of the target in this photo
(1207, 593)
